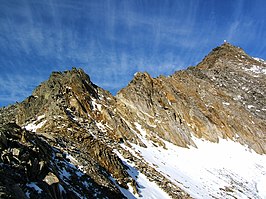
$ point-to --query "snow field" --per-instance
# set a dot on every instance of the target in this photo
(224, 170)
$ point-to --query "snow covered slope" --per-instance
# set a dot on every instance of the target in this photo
(146, 188)
(212, 170)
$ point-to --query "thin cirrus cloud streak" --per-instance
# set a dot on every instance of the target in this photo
(111, 40)
(14, 87)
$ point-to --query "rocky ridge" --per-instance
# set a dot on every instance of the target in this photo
(222, 97)
(31, 168)
(81, 133)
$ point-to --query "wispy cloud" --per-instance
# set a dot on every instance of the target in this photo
(112, 40)
(16, 87)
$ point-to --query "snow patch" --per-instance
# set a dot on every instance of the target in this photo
(61, 189)
(238, 97)
(221, 170)
(250, 106)
(260, 60)
(95, 105)
(226, 103)
(146, 188)
(256, 69)
(101, 126)
(41, 117)
(261, 186)
(36, 124)
(34, 186)
(139, 128)
(64, 173)
(27, 194)
(72, 159)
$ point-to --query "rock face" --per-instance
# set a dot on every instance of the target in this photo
(72, 139)
(222, 97)
(31, 168)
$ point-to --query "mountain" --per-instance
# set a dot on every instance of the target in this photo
(199, 133)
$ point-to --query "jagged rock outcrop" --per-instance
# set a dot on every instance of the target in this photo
(222, 97)
(64, 103)
(31, 168)
(72, 139)
(79, 118)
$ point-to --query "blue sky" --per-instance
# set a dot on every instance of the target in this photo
(111, 40)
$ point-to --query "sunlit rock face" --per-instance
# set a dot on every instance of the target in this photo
(84, 142)
(222, 97)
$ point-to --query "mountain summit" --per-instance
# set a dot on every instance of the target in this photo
(222, 97)
(199, 133)
(220, 54)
